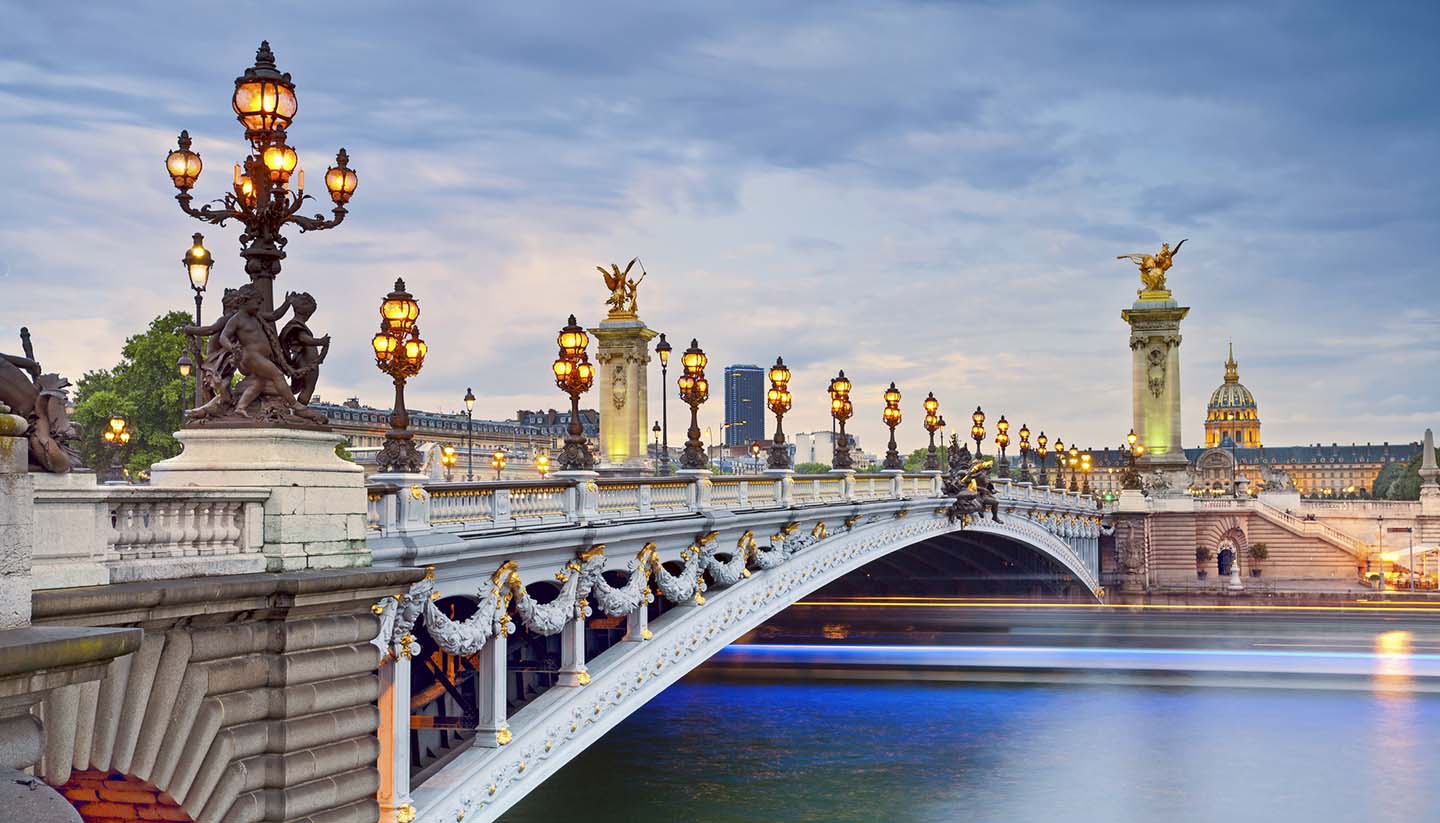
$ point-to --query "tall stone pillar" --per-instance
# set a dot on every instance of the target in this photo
(623, 355)
(1155, 383)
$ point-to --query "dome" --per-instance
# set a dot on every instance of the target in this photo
(1231, 396)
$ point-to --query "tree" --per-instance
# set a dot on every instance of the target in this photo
(915, 461)
(812, 468)
(1399, 481)
(145, 388)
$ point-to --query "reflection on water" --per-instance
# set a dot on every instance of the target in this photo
(726, 751)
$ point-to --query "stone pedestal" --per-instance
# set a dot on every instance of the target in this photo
(17, 521)
(315, 515)
(622, 355)
(1155, 383)
(412, 501)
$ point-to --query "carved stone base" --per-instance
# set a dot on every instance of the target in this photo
(315, 515)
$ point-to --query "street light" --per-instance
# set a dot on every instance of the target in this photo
(655, 436)
(574, 375)
(694, 390)
(542, 464)
(778, 399)
(1040, 451)
(932, 423)
(1133, 450)
(1085, 469)
(662, 348)
(841, 409)
(891, 416)
(198, 262)
(1073, 461)
(977, 431)
(755, 455)
(184, 365)
(1060, 459)
(1024, 453)
(262, 200)
(117, 434)
(400, 353)
(469, 435)
(1002, 439)
(497, 462)
(448, 460)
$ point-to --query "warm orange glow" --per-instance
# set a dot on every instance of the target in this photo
(264, 105)
(184, 167)
(399, 313)
(340, 181)
(280, 160)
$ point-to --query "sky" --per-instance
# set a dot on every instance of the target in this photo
(925, 192)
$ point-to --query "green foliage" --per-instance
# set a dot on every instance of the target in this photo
(915, 461)
(1400, 481)
(1259, 551)
(1202, 554)
(343, 453)
(812, 468)
(145, 388)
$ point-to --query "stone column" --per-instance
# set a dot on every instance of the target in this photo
(623, 354)
(1155, 384)
(17, 521)
(491, 680)
(394, 734)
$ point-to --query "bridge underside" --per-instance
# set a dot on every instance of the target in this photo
(961, 564)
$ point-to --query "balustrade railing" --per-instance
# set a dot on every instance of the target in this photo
(101, 534)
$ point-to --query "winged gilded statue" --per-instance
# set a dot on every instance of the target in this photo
(1154, 266)
(622, 299)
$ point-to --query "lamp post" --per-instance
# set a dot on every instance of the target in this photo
(891, 416)
(1002, 439)
(197, 262)
(184, 365)
(655, 436)
(977, 431)
(1072, 460)
(1024, 453)
(932, 423)
(662, 348)
(1133, 451)
(261, 199)
(574, 375)
(778, 399)
(1041, 451)
(694, 390)
(944, 458)
(448, 460)
(117, 434)
(400, 353)
(497, 462)
(1060, 458)
(1085, 468)
(840, 409)
(755, 456)
(542, 465)
(469, 435)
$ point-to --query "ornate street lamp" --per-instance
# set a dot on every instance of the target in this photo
(1040, 451)
(663, 348)
(198, 262)
(1072, 459)
(542, 464)
(1024, 453)
(1002, 439)
(977, 431)
(262, 200)
(574, 375)
(1060, 458)
(1133, 451)
(694, 390)
(448, 459)
(469, 434)
(1085, 468)
(497, 462)
(944, 458)
(891, 415)
(778, 399)
(932, 423)
(184, 365)
(400, 353)
(655, 446)
(841, 408)
(117, 434)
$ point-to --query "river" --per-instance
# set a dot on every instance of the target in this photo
(730, 744)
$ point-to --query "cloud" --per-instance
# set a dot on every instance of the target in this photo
(930, 193)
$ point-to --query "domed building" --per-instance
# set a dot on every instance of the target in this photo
(1232, 411)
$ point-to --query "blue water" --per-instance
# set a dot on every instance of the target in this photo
(910, 751)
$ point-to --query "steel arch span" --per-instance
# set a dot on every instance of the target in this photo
(480, 783)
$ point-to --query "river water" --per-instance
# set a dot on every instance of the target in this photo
(724, 746)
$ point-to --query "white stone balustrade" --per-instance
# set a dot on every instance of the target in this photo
(88, 534)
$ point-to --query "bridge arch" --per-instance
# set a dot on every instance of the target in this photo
(483, 782)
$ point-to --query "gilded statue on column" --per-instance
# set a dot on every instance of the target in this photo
(623, 289)
(1153, 268)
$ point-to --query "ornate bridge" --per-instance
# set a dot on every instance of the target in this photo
(662, 572)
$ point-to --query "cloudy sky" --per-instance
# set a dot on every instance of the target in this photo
(931, 193)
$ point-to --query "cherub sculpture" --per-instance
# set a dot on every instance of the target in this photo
(1154, 266)
(304, 352)
(972, 489)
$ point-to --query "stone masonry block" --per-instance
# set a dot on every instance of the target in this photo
(335, 500)
(304, 528)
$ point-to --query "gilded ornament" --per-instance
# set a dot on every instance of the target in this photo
(1153, 268)
(406, 813)
(503, 736)
(646, 634)
(417, 492)
(583, 678)
(623, 290)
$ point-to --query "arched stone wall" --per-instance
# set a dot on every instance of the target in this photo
(111, 797)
